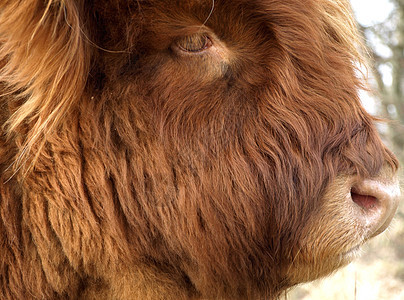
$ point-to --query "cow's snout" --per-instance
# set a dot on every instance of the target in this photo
(375, 202)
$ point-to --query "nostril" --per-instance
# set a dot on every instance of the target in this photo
(376, 202)
(365, 201)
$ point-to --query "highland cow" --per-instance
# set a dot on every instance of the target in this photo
(190, 149)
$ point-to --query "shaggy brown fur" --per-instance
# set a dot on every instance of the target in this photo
(157, 149)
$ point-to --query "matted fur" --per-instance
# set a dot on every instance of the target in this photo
(132, 170)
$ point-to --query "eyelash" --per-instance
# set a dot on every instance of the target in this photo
(195, 43)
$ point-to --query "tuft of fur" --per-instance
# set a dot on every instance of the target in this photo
(45, 65)
(131, 171)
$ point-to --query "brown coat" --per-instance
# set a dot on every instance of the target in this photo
(191, 149)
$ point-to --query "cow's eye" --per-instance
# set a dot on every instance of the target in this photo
(194, 43)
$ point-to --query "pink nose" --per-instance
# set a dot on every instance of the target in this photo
(377, 202)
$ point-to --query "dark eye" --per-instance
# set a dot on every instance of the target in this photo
(194, 43)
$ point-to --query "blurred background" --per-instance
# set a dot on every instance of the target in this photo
(379, 273)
